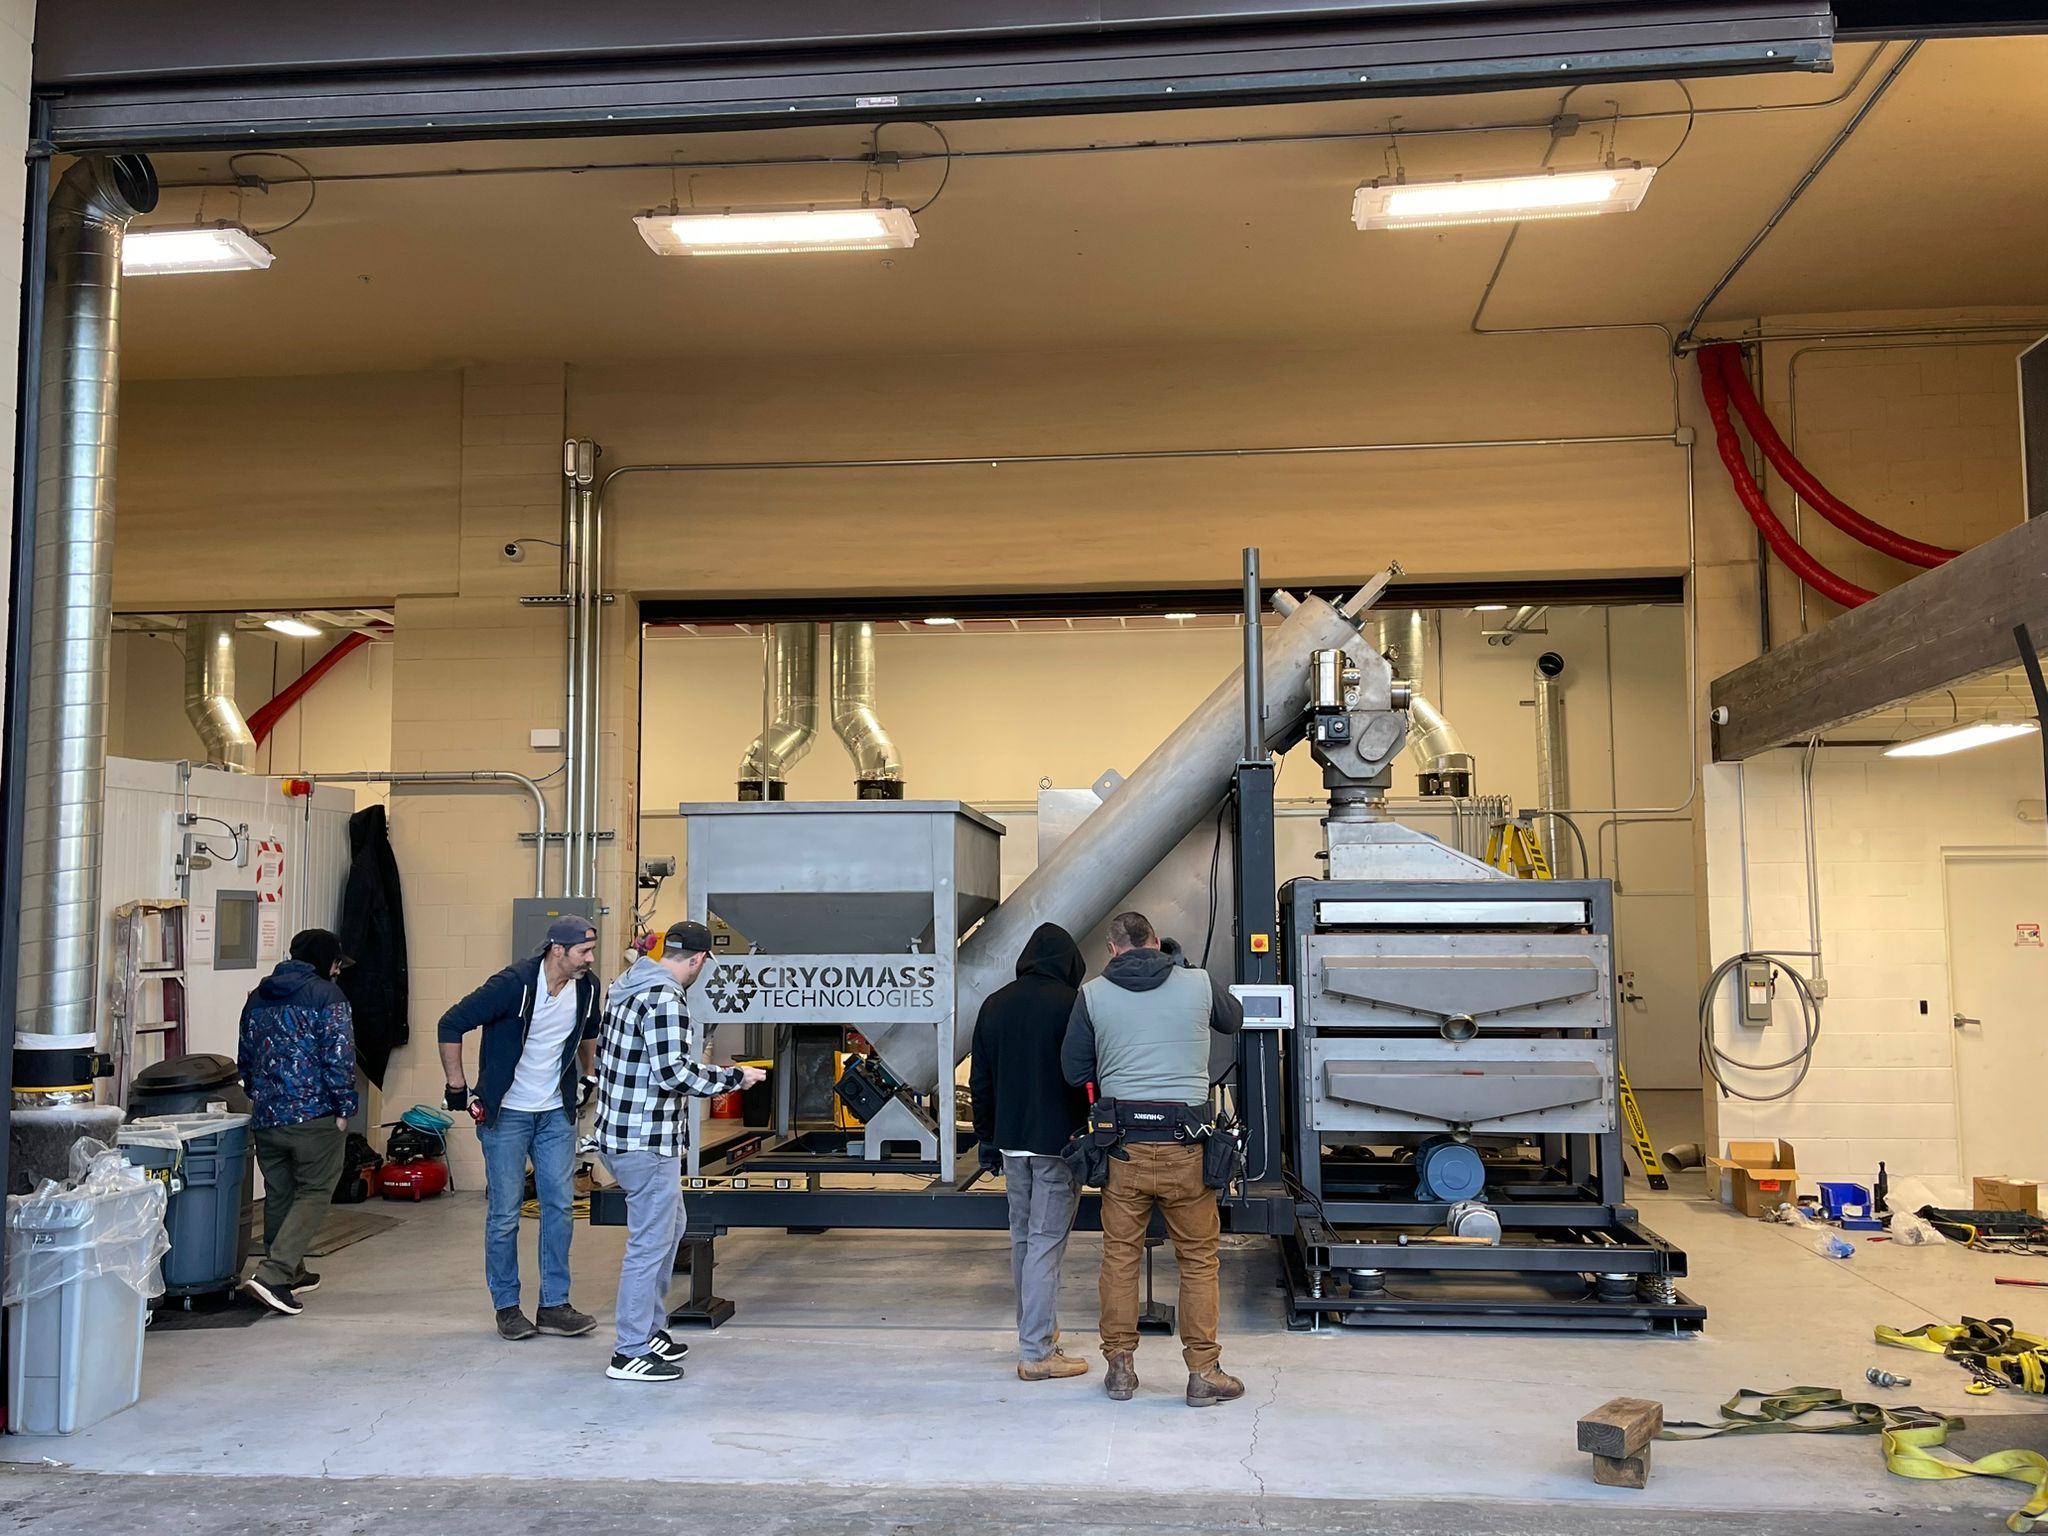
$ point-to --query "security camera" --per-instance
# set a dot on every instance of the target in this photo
(1719, 715)
(515, 552)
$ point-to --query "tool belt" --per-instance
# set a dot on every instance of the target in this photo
(1139, 1120)
(1115, 1123)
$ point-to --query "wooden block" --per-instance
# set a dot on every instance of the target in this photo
(1621, 1427)
(1622, 1471)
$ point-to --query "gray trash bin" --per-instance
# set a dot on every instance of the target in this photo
(204, 1218)
(81, 1264)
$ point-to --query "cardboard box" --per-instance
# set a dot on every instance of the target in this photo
(1996, 1192)
(1758, 1176)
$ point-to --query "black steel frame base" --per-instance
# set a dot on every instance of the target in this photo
(1440, 1286)
(702, 1307)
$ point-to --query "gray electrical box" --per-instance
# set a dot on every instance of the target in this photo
(1759, 982)
(531, 916)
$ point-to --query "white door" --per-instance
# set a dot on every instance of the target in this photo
(1998, 981)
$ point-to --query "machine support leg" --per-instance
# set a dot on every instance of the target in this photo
(702, 1307)
(1154, 1316)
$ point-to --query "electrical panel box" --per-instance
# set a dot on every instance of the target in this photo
(1759, 992)
(531, 916)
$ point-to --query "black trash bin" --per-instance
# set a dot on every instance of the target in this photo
(187, 1085)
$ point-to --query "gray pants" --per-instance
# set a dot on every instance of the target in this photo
(654, 1227)
(1043, 1198)
(301, 1165)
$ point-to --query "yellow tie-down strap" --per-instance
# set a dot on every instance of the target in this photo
(1914, 1439)
(1985, 1346)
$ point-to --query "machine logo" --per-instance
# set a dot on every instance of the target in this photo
(731, 989)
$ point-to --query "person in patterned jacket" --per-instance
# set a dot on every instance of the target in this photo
(644, 1072)
(298, 1061)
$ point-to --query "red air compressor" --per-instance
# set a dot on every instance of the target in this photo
(415, 1157)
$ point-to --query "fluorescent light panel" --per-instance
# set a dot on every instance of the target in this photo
(1963, 737)
(211, 248)
(1499, 199)
(298, 629)
(778, 232)
(940, 623)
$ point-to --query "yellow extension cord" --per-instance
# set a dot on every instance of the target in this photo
(578, 1208)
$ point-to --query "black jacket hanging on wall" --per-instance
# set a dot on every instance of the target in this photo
(373, 936)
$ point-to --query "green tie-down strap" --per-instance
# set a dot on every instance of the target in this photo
(1915, 1439)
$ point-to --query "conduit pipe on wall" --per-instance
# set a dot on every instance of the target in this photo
(1874, 535)
(210, 693)
(452, 779)
(877, 769)
(583, 597)
(789, 710)
(64, 773)
(1713, 384)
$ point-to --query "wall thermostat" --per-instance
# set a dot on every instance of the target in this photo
(1267, 1005)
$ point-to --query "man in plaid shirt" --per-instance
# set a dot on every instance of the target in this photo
(644, 1072)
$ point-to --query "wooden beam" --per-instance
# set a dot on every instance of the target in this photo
(1943, 626)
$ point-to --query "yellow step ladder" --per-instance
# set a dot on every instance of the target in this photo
(1513, 848)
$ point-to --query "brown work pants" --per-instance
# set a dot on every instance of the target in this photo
(1168, 1174)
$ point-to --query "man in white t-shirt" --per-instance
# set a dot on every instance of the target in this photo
(539, 1022)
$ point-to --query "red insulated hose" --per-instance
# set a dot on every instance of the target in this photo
(1787, 548)
(1845, 517)
(264, 720)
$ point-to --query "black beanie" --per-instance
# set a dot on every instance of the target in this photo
(319, 949)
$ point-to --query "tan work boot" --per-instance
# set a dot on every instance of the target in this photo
(1213, 1386)
(1051, 1368)
(1122, 1378)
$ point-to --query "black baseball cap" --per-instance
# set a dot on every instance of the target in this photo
(569, 931)
(686, 939)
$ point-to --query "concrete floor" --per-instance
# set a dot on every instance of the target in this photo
(884, 1361)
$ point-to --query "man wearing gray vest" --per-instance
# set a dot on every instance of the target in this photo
(1141, 1033)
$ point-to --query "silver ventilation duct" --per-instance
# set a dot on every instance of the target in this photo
(210, 693)
(789, 710)
(877, 770)
(1553, 769)
(64, 782)
(1443, 766)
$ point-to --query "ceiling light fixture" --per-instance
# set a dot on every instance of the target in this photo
(1490, 608)
(1181, 615)
(938, 623)
(778, 231)
(298, 629)
(1392, 203)
(194, 248)
(1960, 738)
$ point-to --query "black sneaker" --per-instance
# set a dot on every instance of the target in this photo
(514, 1324)
(643, 1368)
(305, 1280)
(671, 1350)
(564, 1321)
(278, 1298)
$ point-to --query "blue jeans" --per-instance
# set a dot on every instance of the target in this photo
(548, 1137)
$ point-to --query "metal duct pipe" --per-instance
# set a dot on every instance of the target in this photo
(789, 710)
(64, 778)
(210, 693)
(1164, 799)
(1443, 766)
(877, 769)
(1552, 764)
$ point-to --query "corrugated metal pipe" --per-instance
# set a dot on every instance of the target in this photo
(210, 693)
(1443, 766)
(877, 770)
(64, 782)
(789, 710)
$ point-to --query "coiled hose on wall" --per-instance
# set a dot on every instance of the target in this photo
(1714, 1059)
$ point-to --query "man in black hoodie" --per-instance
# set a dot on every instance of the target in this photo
(1140, 1032)
(1024, 1111)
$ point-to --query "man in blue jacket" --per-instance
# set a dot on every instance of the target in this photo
(537, 1016)
(298, 1061)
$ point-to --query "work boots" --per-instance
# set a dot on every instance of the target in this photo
(1052, 1367)
(1122, 1378)
(1209, 1387)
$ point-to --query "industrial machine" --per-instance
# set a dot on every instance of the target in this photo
(1428, 1077)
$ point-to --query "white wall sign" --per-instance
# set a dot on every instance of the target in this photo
(2026, 935)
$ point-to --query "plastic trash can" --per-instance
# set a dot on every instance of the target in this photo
(204, 1219)
(191, 1085)
(81, 1264)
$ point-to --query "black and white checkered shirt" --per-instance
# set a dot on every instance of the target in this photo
(644, 1072)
